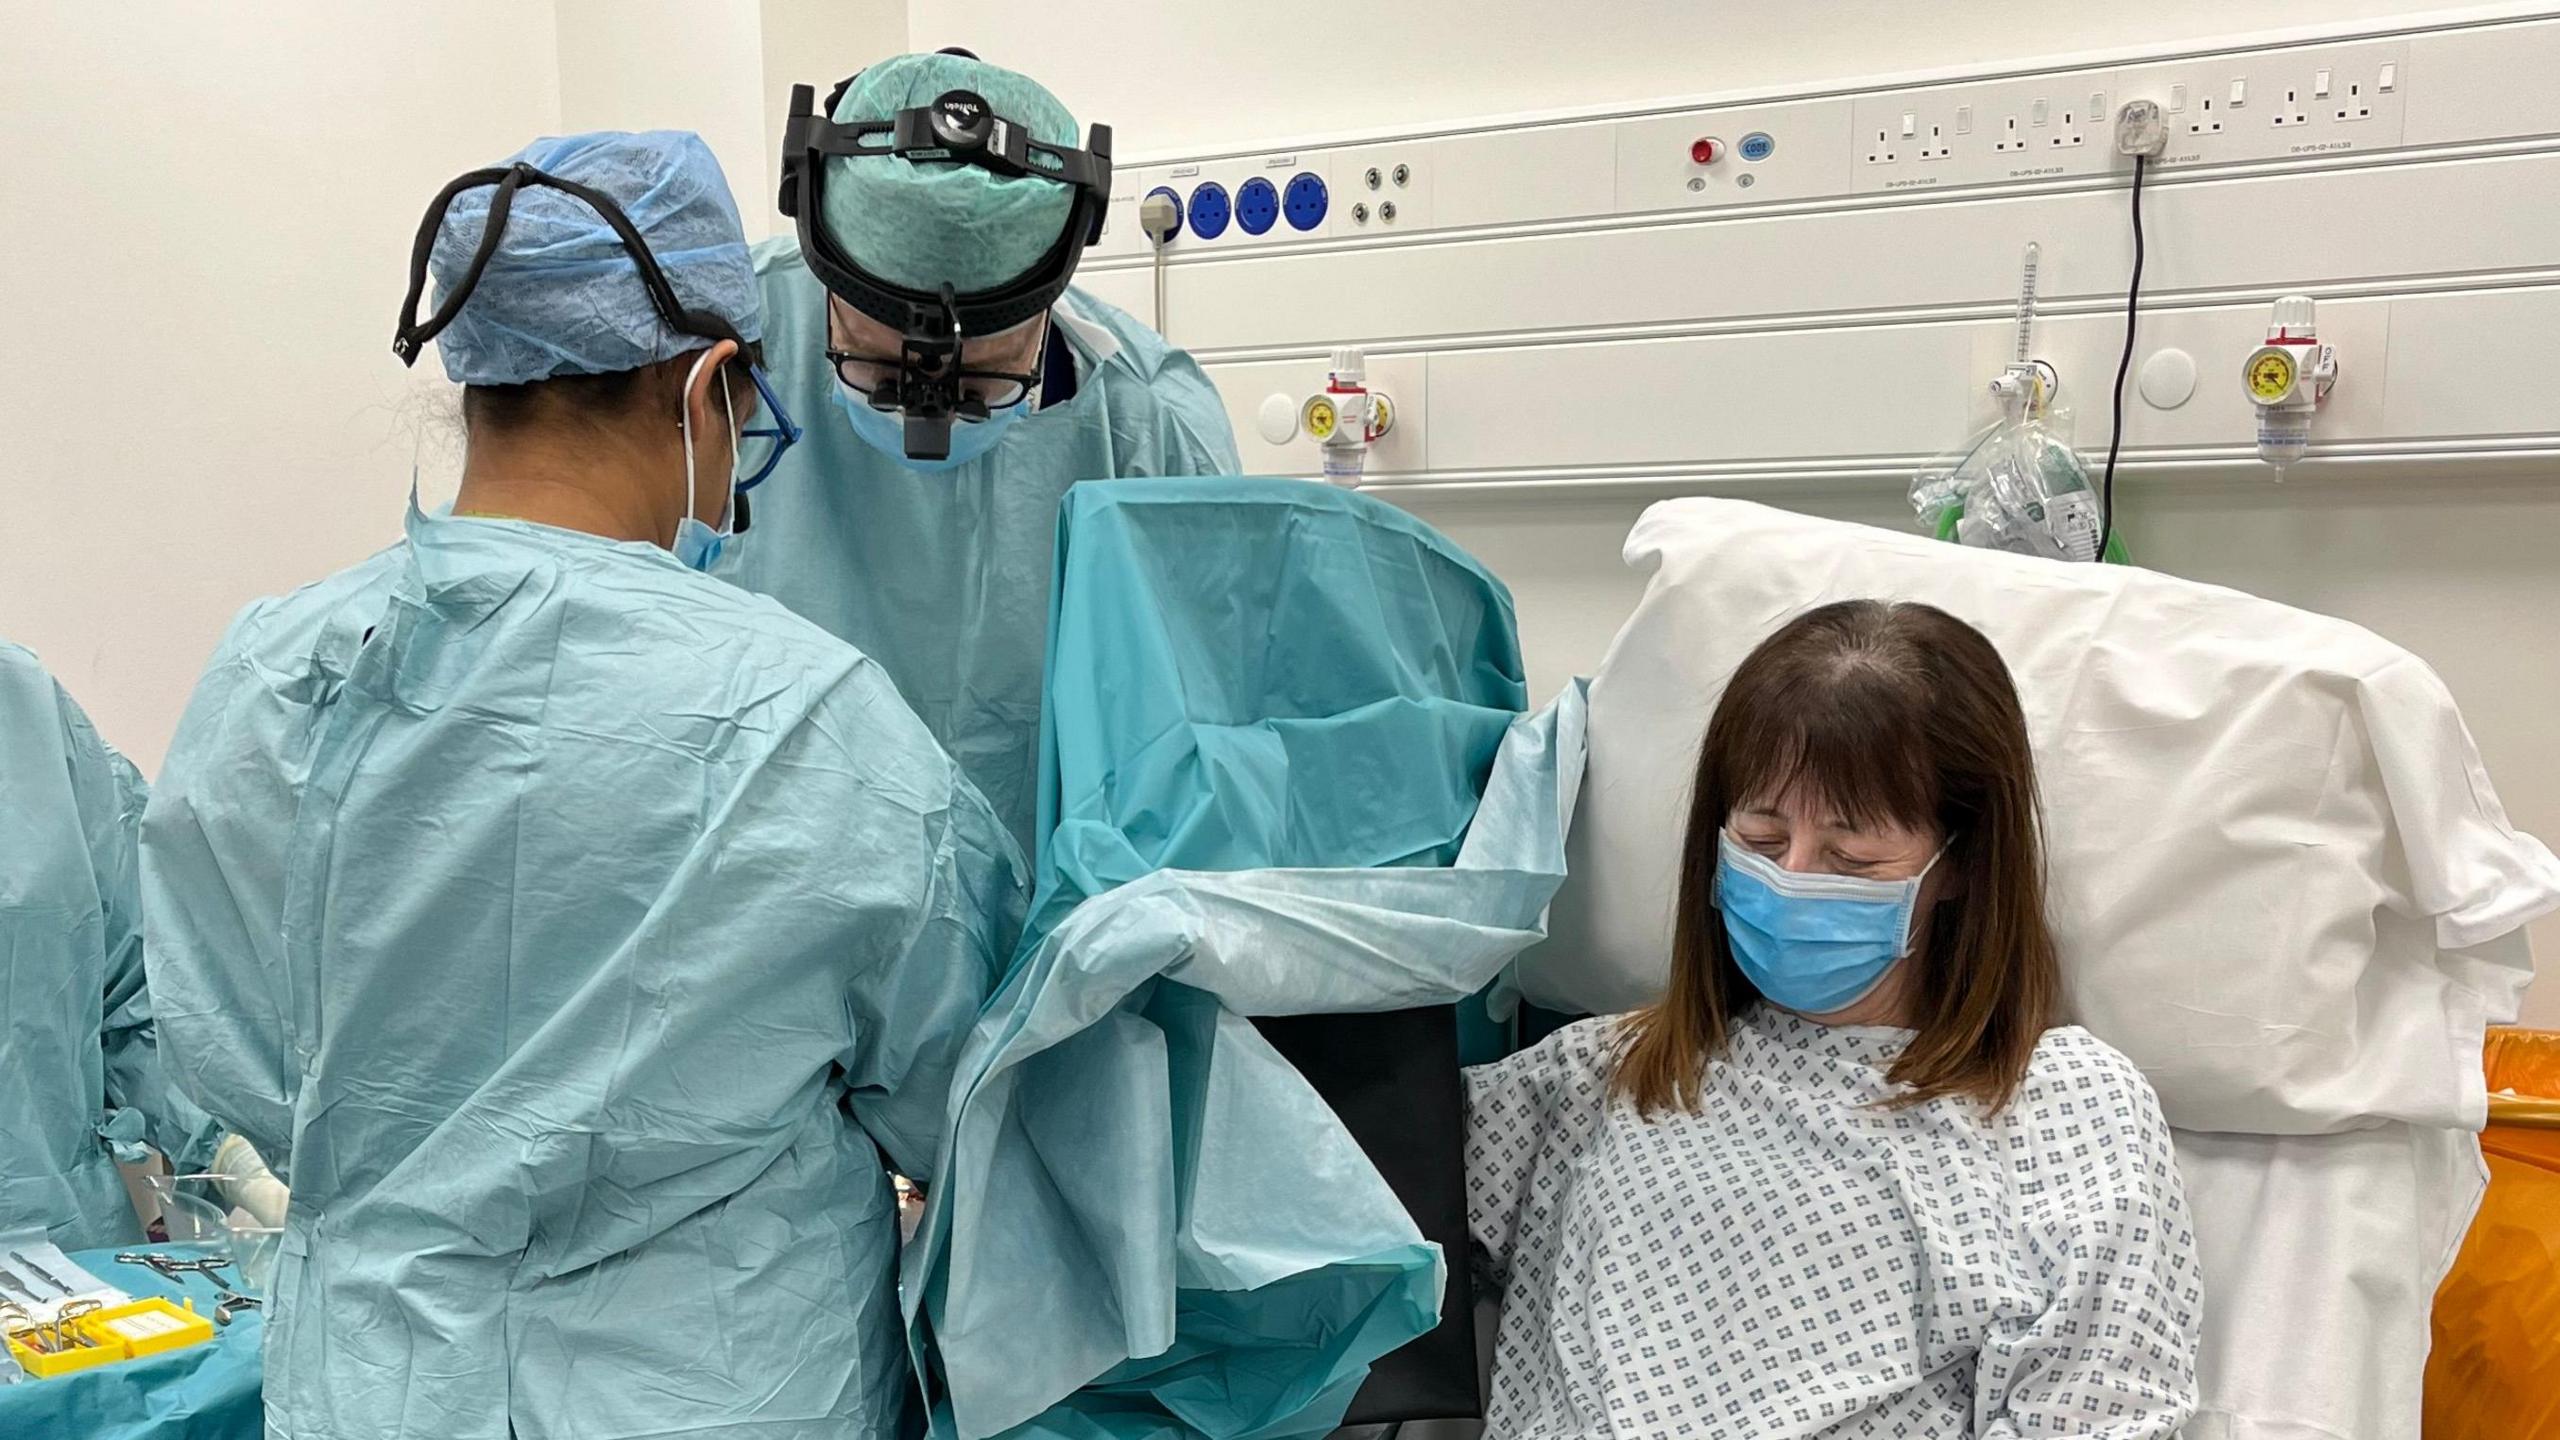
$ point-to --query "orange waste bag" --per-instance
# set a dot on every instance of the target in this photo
(2494, 1371)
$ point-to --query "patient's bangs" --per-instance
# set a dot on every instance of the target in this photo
(1858, 753)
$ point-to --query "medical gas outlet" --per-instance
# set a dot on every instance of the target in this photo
(1346, 418)
(2287, 379)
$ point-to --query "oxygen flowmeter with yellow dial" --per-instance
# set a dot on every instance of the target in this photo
(1345, 418)
(2287, 378)
(1319, 417)
(2270, 373)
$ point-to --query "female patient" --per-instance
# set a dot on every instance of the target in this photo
(1843, 1180)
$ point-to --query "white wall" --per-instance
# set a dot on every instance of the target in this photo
(205, 220)
(2463, 573)
(672, 64)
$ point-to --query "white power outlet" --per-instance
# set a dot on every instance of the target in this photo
(2071, 129)
(2036, 128)
(2303, 101)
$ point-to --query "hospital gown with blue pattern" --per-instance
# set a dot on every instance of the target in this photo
(1796, 1260)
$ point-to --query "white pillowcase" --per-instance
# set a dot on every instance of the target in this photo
(2281, 881)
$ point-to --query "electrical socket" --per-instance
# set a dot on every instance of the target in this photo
(2036, 128)
(2306, 100)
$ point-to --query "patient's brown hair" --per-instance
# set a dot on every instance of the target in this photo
(1888, 712)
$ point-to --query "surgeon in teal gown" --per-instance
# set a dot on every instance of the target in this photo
(581, 936)
(80, 1077)
(941, 574)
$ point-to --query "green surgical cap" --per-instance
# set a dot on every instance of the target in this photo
(927, 225)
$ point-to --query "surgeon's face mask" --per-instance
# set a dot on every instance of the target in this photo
(697, 544)
(1813, 944)
(886, 431)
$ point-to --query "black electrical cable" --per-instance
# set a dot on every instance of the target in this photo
(2124, 367)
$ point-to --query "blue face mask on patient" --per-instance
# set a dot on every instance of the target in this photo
(1812, 943)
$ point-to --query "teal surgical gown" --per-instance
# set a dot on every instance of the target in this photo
(581, 936)
(80, 1078)
(1284, 773)
(943, 578)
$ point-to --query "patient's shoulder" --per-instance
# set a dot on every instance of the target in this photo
(1588, 1045)
(2072, 1062)
(1572, 1067)
(2074, 1073)
(2085, 1119)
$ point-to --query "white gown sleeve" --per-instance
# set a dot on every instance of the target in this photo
(1528, 1118)
(2104, 1222)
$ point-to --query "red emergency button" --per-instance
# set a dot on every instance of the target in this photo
(1705, 152)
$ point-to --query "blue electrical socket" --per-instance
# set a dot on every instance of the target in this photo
(1257, 205)
(1304, 201)
(1209, 210)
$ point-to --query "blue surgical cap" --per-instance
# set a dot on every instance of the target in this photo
(934, 224)
(562, 295)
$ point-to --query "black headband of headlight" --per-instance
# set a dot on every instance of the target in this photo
(958, 128)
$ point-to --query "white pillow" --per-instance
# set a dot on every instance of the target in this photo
(2280, 879)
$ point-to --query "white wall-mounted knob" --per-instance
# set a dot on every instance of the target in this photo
(2168, 379)
(1278, 419)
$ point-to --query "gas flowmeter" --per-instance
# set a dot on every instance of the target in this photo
(1346, 418)
(2287, 379)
